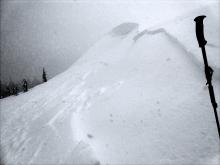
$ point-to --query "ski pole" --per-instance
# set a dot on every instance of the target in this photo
(208, 70)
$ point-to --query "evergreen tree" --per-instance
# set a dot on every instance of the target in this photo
(11, 87)
(44, 76)
(25, 85)
(8, 91)
(1, 90)
(15, 90)
(4, 90)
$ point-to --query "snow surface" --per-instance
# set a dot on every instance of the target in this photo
(136, 97)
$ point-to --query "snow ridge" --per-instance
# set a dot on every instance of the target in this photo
(176, 41)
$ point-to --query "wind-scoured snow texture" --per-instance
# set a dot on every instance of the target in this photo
(133, 98)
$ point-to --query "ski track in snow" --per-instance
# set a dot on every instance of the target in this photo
(81, 101)
(36, 153)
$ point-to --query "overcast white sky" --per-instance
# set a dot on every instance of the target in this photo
(54, 33)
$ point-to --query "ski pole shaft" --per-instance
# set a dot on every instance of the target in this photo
(208, 70)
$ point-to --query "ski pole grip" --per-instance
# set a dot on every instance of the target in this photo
(200, 30)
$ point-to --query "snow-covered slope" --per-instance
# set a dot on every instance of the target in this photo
(134, 97)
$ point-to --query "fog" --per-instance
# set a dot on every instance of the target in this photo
(53, 34)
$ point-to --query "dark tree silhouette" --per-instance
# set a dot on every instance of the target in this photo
(8, 91)
(5, 91)
(44, 76)
(1, 90)
(15, 90)
(11, 87)
(25, 85)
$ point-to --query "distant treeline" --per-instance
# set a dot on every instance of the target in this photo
(13, 88)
